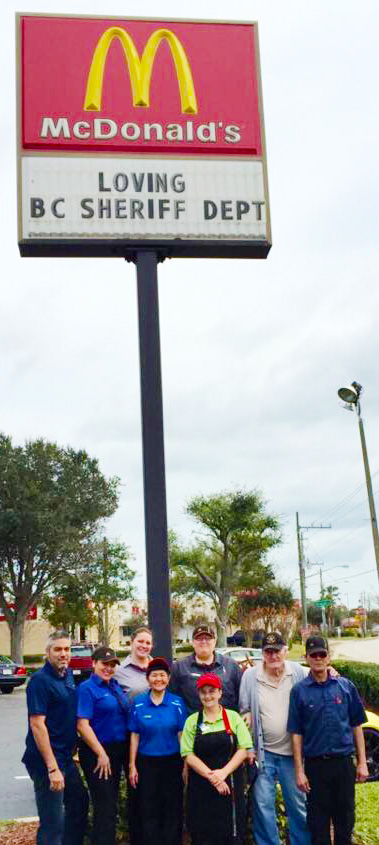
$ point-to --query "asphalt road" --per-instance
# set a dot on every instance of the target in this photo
(16, 790)
(365, 650)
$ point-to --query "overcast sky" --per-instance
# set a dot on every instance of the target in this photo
(253, 352)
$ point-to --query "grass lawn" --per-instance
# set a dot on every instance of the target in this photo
(367, 819)
(296, 652)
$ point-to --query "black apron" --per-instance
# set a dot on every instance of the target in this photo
(209, 814)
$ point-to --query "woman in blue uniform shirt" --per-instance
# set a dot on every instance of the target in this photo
(102, 715)
(156, 720)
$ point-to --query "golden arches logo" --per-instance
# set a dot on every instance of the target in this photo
(140, 70)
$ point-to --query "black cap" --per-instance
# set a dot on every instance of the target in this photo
(106, 654)
(316, 644)
(156, 664)
(273, 640)
(203, 629)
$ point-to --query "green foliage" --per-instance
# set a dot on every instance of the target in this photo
(366, 831)
(51, 502)
(271, 605)
(101, 577)
(236, 535)
(365, 676)
(373, 616)
(281, 815)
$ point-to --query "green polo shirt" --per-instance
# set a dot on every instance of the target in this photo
(236, 723)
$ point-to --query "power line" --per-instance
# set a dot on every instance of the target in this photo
(347, 498)
(346, 577)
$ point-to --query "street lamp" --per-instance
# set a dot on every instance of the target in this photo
(351, 395)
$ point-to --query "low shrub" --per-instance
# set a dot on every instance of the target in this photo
(29, 659)
(365, 676)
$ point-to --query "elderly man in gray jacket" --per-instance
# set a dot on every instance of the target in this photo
(264, 703)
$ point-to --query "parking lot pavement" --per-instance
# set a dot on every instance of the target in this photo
(16, 790)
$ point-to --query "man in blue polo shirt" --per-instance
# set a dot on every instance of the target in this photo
(61, 799)
(325, 721)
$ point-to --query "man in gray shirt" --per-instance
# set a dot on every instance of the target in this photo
(264, 702)
(204, 659)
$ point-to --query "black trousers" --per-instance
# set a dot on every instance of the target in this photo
(332, 798)
(160, 799)
(132, 804)
(104, 793)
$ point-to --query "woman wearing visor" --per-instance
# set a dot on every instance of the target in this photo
(102, 714)
(214, 743)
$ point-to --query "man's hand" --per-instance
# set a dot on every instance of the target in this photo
(362, 772)
(251, 756)
(247, 719)
(103, 765)
(302, 782)
(333, 672)
(56, 781)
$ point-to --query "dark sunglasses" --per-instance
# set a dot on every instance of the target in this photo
(318, 654)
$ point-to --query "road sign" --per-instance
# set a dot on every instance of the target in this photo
(323, 603)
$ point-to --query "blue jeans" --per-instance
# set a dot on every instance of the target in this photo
(278, 768)
(62, 815)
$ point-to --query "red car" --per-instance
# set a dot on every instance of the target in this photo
(81, 661)
(11, 675)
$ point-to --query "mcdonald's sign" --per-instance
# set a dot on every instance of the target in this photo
(133, 129)
(90, 84)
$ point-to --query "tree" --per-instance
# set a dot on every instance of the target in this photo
(69, 605)
(330, 593)
(272, 607)
(236, 534)
(85, 596)
(51, 502)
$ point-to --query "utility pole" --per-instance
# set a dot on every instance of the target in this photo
(304, 618)
(323, 608)
(299, 528)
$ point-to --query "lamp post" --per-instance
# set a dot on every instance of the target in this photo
(351, 395)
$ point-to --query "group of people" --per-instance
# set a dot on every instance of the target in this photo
(189, 730)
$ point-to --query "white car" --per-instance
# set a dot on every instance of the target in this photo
(243, 656)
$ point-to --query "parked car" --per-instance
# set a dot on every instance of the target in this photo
(11, 675)
(371, 735)
(81, 661)
(244, 656)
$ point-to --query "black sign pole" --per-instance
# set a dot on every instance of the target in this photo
(158, 590)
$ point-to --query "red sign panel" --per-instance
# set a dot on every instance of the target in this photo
(91, 84)
(32, 613)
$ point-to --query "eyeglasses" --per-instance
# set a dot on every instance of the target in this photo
(318, 654)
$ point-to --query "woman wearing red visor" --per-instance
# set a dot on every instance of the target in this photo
(214, 743)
